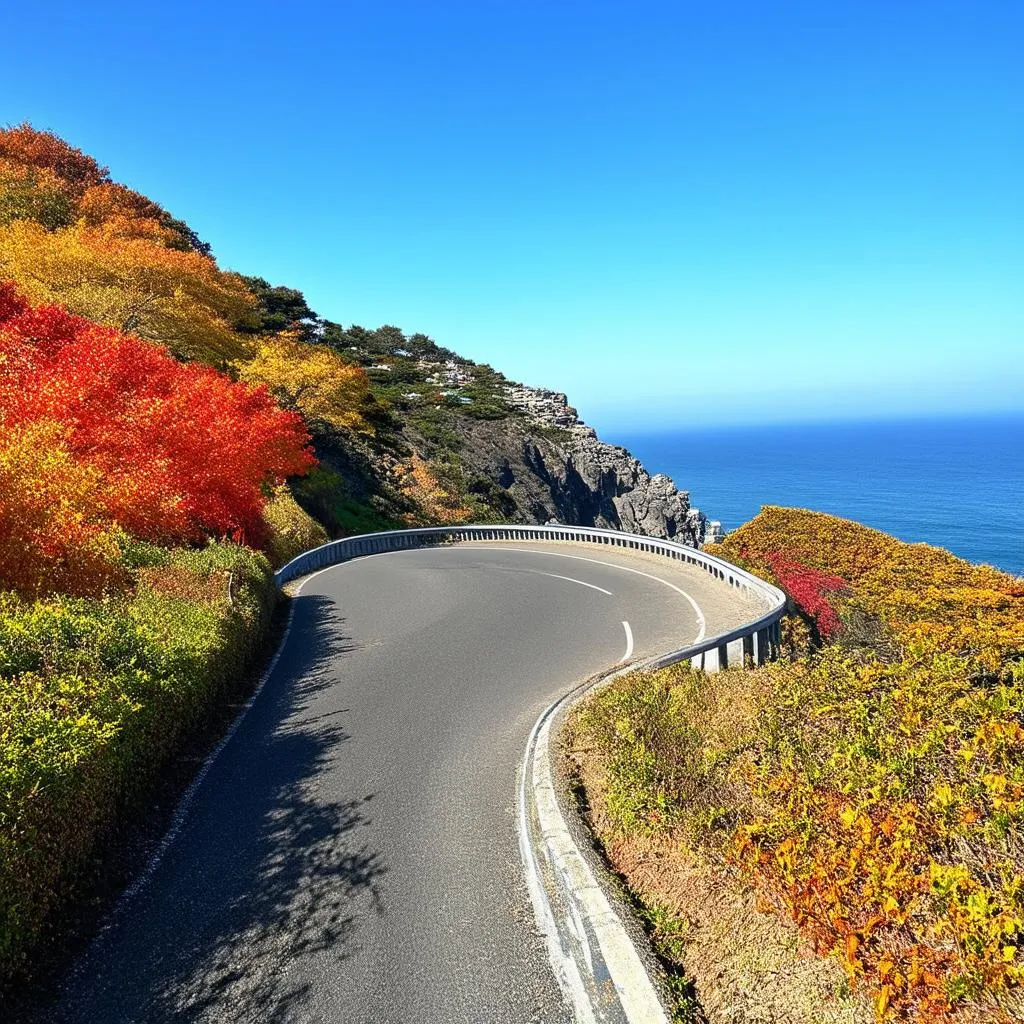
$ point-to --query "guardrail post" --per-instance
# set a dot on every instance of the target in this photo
(738, 651)
(762, 649)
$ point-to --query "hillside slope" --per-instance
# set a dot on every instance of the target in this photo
(169, 432)
(457, 442)
(407, 432)
(866, 789)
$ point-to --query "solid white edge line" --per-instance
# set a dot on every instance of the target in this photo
(701, 622)
(565, 969)
(637, 993)
(638, 996)
(185, 803)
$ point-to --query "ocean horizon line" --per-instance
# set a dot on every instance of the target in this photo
(614, 433)
(953, 481)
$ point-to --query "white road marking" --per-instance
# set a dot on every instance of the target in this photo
(582, 583)
(587, 902)
(566, 970)
(701, 621)
(629, 975)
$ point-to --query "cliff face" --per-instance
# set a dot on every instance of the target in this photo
(455, 441)
(552, 466)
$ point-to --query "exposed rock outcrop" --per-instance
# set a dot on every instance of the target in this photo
(552, 466)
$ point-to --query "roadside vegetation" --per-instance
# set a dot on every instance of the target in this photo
(97, 696)
(867, 789)
(170, 432)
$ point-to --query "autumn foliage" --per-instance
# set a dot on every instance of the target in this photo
(164, 451)
(929, 597)
(46, 152)
(131, 462)
(889, 780)
(433, 499)
(132, 283)
(174, 453)
(70, 235)
(54, 534)
(810, 590)
(872, 788)
(310, 379)
(67, 185)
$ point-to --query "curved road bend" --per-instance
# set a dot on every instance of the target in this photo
(352, 855)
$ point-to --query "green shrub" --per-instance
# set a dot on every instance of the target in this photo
(95, 697)
(327, 498)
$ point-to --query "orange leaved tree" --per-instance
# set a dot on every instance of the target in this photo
(182, 451)
(44, 179)
(45, 151)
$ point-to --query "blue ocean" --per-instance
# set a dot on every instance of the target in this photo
(958, 484)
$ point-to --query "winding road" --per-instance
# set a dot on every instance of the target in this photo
(352, 854)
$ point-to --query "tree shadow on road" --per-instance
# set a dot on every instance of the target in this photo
(270, 875)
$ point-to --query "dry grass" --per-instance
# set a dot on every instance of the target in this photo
(744, 966)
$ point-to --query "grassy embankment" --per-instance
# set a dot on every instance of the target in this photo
(97, 695)
(861, 798)
(127, 622)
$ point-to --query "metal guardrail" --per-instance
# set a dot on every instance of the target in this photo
(754, 642)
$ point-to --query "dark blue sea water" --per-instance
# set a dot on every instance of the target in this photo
(958, 484)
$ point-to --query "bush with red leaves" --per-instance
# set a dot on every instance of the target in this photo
(182, 451)
(809, 589)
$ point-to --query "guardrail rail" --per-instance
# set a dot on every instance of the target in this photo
(753, 643)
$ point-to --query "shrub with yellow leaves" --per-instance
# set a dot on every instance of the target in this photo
(290, 530)
(310, 379)
(875, 790)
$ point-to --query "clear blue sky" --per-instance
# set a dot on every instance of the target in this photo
(679, 211)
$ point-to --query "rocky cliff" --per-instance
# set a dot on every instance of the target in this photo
(552, 466)
(455, 441)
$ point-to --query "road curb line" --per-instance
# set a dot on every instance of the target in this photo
(187, 798)
(599, 969)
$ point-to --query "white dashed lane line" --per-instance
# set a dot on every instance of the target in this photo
(582, 583)
(629, 641)
(701, 622)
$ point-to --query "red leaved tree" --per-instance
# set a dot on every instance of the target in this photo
(182, 450)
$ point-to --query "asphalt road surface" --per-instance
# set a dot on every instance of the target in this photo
(352, 854)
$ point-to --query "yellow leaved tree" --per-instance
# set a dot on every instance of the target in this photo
(310, 379)
(55, 533)
(134, 284)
